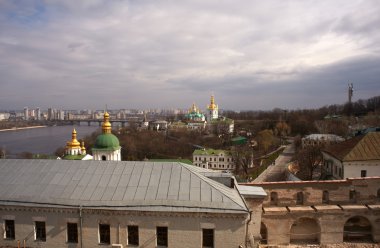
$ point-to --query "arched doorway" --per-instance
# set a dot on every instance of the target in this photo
(264, 234)
(104, 158)
(357, 228)
(305, 231)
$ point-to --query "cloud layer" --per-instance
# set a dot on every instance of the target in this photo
(163, 54)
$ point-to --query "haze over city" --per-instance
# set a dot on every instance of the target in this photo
(148, 54)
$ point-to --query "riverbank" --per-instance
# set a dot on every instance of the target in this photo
(20, 128)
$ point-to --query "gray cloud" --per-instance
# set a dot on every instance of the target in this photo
(251, 54)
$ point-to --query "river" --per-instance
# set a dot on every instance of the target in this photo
(43, 140)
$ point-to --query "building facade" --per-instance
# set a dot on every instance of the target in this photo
(356, 157)
(213, 159)
(320, 140)
(60, 203)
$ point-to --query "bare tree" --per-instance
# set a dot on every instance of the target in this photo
(309, 160)
(265, 139)
(243, 159)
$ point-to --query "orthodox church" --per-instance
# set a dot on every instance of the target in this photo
(194, 114)
(75, 150)
(212, 110)
(194, 119)
(106, 147)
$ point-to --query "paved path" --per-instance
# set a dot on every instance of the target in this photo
(276, 172)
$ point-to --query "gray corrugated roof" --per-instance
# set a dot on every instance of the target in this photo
(145, 186)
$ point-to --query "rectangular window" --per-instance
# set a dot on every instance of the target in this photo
(208, 238)
(40, 231)
(133, 235)
(9, 229)
(162, 236)
(72, 233)
(363, 173)
(104, 234)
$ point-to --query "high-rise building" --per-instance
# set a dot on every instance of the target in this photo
(38, 114)
(52, 114)
(60, 115)
(26, 113)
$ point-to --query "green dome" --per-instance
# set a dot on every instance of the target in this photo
(107, 141)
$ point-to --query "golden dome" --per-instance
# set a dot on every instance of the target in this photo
(74, 143)
(106, 126)
(212, 103)
(193, 109)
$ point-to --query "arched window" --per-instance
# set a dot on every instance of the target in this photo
(305, 230)
(299, 198)
(273, 198)
(357, 229)
(325, 197)
(104, 158)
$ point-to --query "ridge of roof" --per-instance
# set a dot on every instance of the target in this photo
(218, 186)
(367, 148)
(341, 149)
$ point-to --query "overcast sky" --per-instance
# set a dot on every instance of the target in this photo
(84, 54)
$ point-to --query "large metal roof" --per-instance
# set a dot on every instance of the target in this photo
(129, 185)
(361, 148)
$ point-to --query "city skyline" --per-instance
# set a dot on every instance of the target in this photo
(159, 54)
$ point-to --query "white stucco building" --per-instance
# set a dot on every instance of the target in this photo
(65, 203)
(356, 157)
(317, 139)
(213, 159)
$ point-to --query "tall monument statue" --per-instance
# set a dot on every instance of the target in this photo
(350, 92)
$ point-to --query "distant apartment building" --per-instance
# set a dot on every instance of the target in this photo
(320, 140)
(26, 113)
(51, 114)
(4, 116)
(213, 159)
(54, 114)
(38, 114)
(60, 115)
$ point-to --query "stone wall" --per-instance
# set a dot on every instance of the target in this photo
(317, 219)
